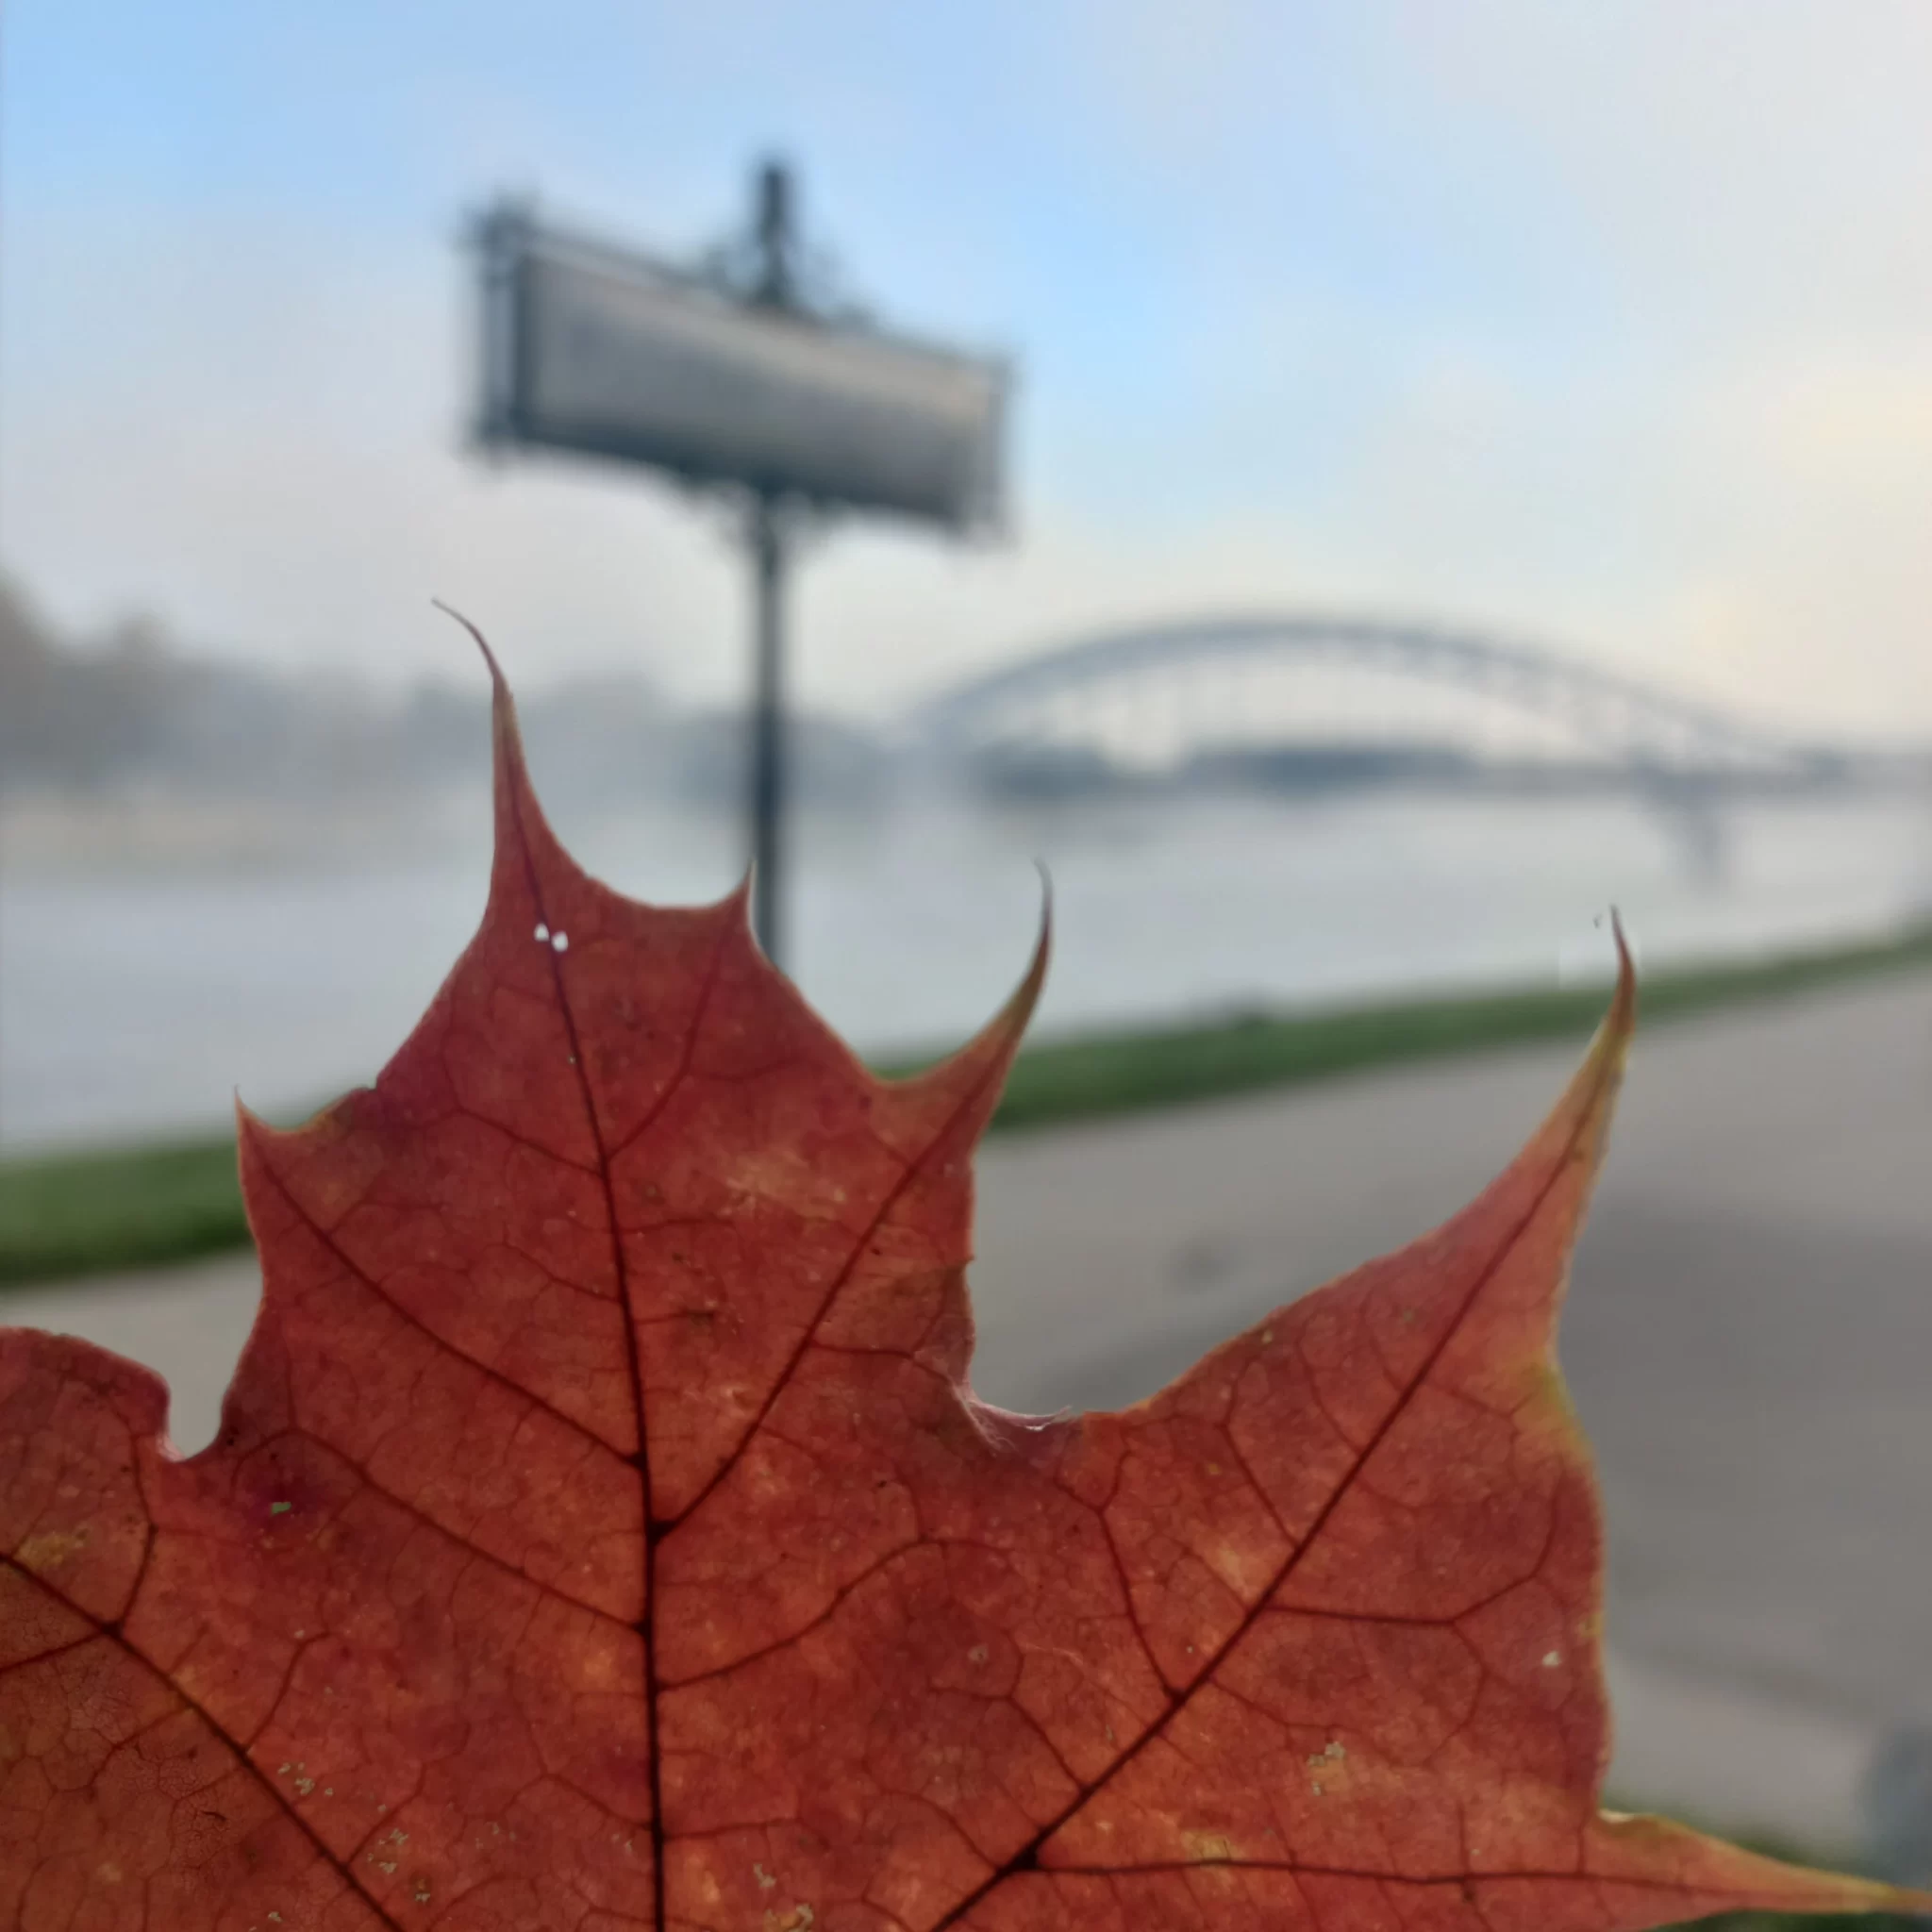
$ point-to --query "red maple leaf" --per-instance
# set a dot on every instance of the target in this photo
(601, 1534)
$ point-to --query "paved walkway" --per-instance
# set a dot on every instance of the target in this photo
(1749, 1339)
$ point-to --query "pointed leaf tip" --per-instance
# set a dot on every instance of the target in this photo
(1624, 1004)
(1594, 1090)
(1002, 1033)
(1721, 1876)
(506, 737)
(967, 1084)
(1027, 994)
(481, 642)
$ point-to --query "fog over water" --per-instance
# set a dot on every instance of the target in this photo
(137, 1002)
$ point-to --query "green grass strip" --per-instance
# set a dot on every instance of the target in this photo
(90, 1214)
(128, 1207)
(1068, 1078)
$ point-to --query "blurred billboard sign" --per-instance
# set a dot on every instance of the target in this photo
(601, 352)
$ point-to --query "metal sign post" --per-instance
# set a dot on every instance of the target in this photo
(736, 377)
(768, 724)
(774, 228)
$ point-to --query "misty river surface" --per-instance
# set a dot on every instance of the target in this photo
(140, 1002)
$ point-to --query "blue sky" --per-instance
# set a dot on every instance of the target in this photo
(1609, 325)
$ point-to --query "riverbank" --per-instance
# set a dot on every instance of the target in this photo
(101, 1211)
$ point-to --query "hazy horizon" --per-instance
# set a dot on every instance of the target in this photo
(1608, 329)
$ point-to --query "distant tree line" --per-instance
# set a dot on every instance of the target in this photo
(134, 712)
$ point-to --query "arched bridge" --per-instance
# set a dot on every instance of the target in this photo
(1614, 719)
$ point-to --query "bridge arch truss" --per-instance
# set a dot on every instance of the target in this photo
(1621, 719)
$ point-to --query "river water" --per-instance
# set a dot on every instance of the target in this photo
(138, 1002)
